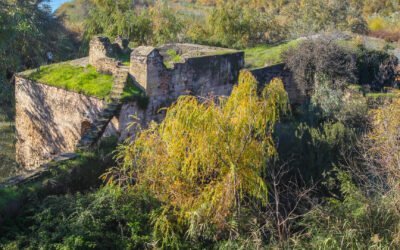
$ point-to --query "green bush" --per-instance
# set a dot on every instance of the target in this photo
(376, 68)
(351, 220)
(315, 57)
(109, 218)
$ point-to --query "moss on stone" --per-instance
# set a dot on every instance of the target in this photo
(85, 80)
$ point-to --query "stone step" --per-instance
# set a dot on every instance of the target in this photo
(118, 88)
(101, 120)
(109, 111)
(116, 98)
(116, 93)
(113, 104)
(97, 127)
(120, 80)
(90, 136)
(118, 85)
(124, 75)
(111, 108)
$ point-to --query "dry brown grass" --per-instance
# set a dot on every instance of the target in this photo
(389, 36)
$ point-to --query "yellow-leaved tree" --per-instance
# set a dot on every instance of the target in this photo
(206, 160)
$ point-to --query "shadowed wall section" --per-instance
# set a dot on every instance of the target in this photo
(265, 74)
(49, 120)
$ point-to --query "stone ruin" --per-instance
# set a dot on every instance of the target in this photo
(51, 121)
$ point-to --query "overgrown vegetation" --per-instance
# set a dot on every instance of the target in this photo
(237, 24)
(134, 93)
(171, 58)
(27, 32)
(203, 197)
(84, 80)
(240, 172)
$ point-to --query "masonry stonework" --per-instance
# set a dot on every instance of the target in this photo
(203, 71)
(50, 120)
(265, 74)
(102, 53)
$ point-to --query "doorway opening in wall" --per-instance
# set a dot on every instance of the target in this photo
(85, 126)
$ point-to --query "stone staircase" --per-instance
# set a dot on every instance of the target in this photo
(112, 108)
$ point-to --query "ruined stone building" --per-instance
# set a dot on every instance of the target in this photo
(52, 120)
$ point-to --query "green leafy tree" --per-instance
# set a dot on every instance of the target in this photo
(27, 31)
(232, 25)
(155, 25)
(166, 24)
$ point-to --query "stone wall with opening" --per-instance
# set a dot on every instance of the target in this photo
(50, 120)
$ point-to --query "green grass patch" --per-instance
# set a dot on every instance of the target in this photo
(380, 95)
(264, 55)
(85, 80)
(171, 58)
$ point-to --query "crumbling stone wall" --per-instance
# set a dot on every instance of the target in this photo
(102, 53)
(49, 121)
(266, 74)
(99, 48)
(203, 75)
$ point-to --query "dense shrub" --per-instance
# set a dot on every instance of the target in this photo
(351, 220)
(231, 25)
(376, 68)
(313, 58)
(339, 104)
(156, 25)
(362, 211)
(106, 219)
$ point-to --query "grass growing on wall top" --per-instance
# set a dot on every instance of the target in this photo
(263, 55)
(85, 80)
(134, 93)
(171, 58)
